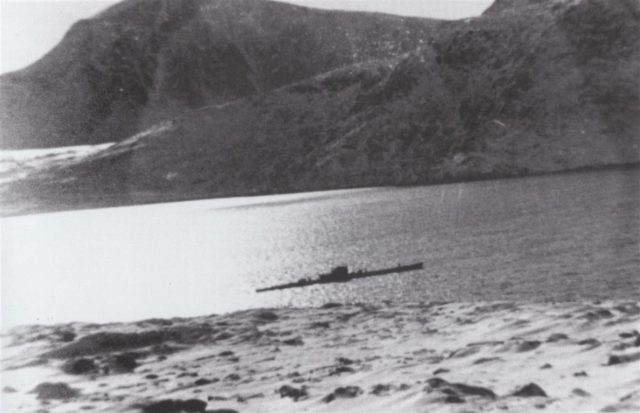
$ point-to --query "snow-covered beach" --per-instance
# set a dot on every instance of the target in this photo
(449, 357)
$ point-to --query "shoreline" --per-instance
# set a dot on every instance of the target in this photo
(451, 357)
(83, 201)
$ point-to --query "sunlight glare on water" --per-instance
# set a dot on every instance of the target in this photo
(558, 237)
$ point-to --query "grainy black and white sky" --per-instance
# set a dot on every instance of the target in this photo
(30, 28)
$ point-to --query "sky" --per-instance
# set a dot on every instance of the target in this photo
(30, 28)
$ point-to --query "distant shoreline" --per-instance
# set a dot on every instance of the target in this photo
(72, 202)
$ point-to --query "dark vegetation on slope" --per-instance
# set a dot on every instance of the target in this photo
(329, 99)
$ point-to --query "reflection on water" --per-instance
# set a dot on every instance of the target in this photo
(555, 237)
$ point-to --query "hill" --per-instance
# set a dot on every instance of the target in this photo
(143, 61)
(350, 99)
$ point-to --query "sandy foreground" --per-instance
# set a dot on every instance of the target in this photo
(431, 357)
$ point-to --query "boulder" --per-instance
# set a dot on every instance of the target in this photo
(293, 392)
(379, 389)
(591, 342)
(268, 316)
(65, 335)
(347, 392)
(329, 306)
(232, 377)
(55, 391)
(453, 398)
(530, 390)
(123, 363)
(296, 341)
(557, 337)
(222, 411)
(460, 388)
(629, 334)
(529, 345)
(580, 392)
(623, 358)
(345, 361)
(341, 369)
(79, 366)
(176, 406)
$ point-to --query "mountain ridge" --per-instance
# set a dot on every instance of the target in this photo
(142, 61)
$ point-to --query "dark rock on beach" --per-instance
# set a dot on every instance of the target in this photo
(329, 306)
(187, 374)
(296, 341)
(55, 391)
(473, 390)
(380, 389)
(629, 334)
(105, 342)
(232, 377)
(453, 399)
(630, 308)
(557, 337)
(80, 366)
(268, 316)
(176, 406)
(484, 360)
(580, 392)
(123, 363)
(65, 336)
(347, 392)
(530, 390)
(194, 405)
(623, 358)
(529, 345)
(599, 314)
(591, 343)
(345, 361)
(460, 388)
(217, 398)
(293, 392)
(340, 370)
(222, 411)
(204, 382)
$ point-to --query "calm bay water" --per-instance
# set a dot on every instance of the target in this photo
(563, 237)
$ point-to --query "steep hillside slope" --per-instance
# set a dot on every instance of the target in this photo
(145, 60)
(529, 87)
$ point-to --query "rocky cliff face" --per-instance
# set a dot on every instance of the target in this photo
(283, 98)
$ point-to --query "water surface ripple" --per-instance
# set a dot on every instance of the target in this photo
(562, 237)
